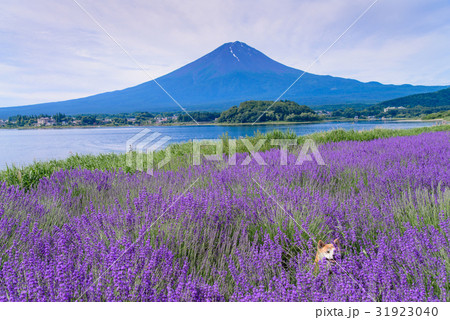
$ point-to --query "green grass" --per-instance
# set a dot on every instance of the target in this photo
(29, 176)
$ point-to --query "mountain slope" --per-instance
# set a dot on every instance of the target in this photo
(230, 74)
(433, 99)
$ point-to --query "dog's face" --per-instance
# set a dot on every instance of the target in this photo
(327, 251)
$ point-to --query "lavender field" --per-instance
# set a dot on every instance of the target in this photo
(238, 233)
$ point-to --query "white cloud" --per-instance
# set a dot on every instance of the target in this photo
(52, 51)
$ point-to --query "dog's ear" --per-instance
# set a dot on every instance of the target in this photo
(320, 244)
(337, 243)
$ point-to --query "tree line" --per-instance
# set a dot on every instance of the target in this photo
(265, 111)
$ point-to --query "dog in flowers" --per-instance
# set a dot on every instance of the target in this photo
(326, 251)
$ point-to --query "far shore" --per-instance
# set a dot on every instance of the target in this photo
(187, 124)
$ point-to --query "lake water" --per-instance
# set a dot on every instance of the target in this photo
(22, 147)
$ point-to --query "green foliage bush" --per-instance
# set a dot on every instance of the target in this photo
(264, 111)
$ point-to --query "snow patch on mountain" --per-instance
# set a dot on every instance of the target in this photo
(231, 50)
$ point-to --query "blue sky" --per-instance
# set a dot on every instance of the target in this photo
(51, 51)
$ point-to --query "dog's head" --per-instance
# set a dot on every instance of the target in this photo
(327, 250)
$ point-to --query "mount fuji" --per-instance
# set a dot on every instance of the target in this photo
(232, 73)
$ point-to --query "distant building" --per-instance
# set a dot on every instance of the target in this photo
(393, 108)
(42, 121)
(46, 121)
(160, 120)
(2, 123)
(323, 113)
(132, 120)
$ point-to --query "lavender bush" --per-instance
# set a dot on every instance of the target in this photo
(238, 233)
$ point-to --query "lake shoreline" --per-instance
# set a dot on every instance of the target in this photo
(30, 173)
(22, 147)
(191, 124)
